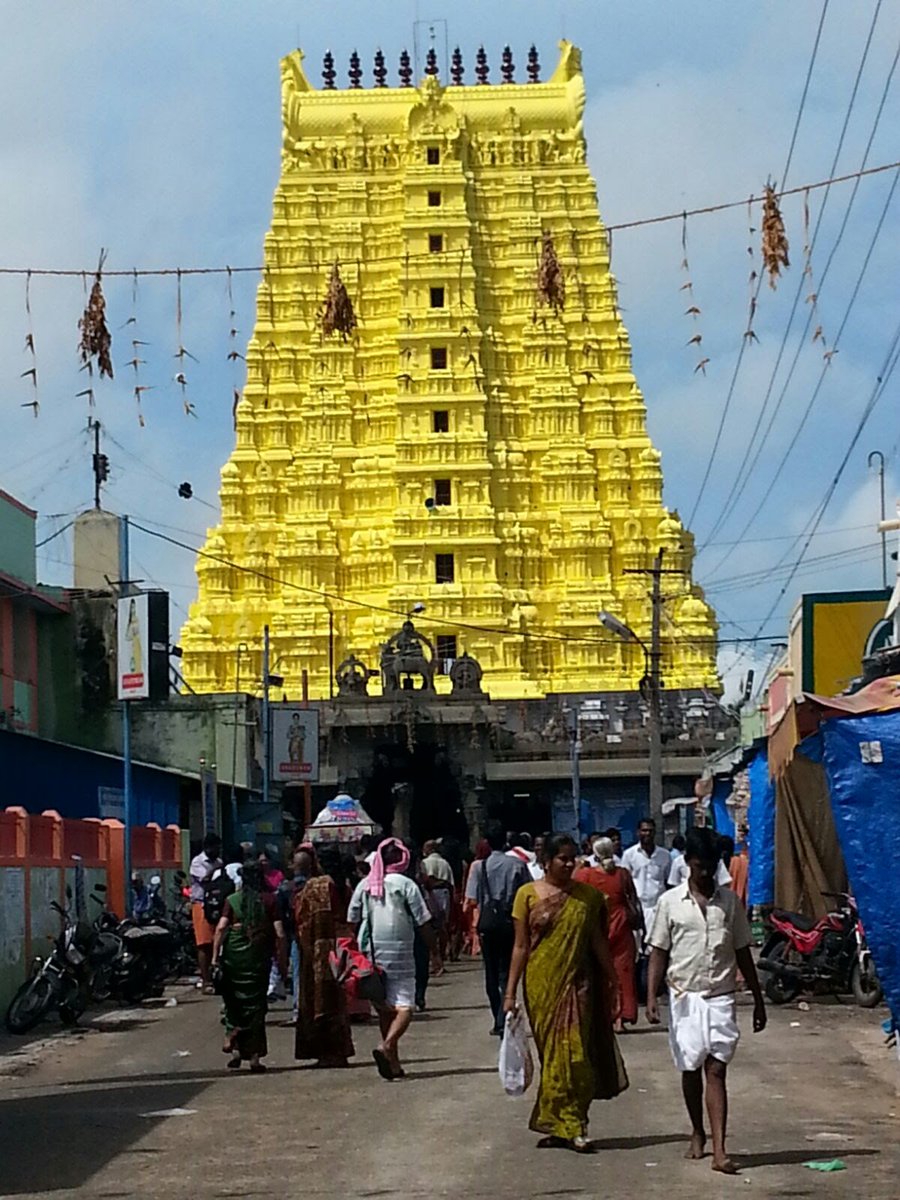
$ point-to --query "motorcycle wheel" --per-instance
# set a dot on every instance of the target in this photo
(71, 1004)
(32, 1001)
(867, 991)
(778, 989)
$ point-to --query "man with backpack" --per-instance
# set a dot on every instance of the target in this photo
(493, 884)
(203, 902)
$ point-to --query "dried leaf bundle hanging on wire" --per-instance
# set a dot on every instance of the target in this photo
(551, 283)
(774, 239)
(336, 313)
(96, 342)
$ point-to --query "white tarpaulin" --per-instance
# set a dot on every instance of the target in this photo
(343, 819)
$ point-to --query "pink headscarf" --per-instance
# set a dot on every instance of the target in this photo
(374, 881)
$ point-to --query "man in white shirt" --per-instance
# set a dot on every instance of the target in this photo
(680, 872)
(699, 940)
(649, 865)
(439, 883)
(203, 867)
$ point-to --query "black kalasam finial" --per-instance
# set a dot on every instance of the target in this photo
(481, 65)
(456, 67)
(405, 69)
(534, 66)
(355, 72)
(328, 71)
(431, 63)
(380, 70)
(507, 66)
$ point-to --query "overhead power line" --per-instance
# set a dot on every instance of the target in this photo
(746, 473)
(881, 381)
(403, 256)
(742, 349)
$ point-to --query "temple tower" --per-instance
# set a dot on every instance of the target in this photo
(477, 442)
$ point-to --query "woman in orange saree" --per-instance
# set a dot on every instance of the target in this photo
(562, 952)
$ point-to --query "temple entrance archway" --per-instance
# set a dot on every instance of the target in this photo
(415, 792)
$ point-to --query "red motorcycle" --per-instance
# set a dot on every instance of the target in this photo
(829, 955)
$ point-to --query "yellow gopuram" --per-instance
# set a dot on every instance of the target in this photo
(477, 443)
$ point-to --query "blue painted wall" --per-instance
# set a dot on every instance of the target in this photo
(38, 775)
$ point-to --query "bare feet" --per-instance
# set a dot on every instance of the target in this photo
(725, 1166)
(697, 1146)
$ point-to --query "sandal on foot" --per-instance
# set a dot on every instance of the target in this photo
(383, 1064)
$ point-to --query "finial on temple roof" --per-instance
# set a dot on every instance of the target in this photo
(328, 71)
(456, 67)
(355, 72)
(507, 66)
(431, 62)
(405, 69)
(534, 66)
(380, 70)
(481, 65)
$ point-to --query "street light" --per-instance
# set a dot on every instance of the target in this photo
(239, 649)
(653, 686)
(269, 679)
(417, 608)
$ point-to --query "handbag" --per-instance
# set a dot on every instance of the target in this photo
(358, 973)
(495, 916)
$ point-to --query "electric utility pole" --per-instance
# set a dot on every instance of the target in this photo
(100, 464)
(654, 684)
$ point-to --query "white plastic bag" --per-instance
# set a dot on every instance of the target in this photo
(516, 1066)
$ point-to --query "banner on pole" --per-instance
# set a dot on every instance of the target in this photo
(295, 743)
(142, 643)
(133, 639)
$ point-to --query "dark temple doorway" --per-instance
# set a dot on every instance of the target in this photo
(418, 788)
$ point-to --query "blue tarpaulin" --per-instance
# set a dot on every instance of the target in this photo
(724, 822)
(862, 762)
(761, 819)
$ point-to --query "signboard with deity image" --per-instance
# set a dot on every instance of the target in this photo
(133, 639)
(295, 743)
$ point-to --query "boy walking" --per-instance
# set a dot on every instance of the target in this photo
(699, 940)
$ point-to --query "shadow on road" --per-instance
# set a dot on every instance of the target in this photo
(644, 1142)
(785, 1158)
(416, 1075)
(57, 1141)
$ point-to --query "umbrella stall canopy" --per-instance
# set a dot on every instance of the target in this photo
(343, 819)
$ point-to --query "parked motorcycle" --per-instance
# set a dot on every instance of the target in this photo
(61, 980)
(832, 954)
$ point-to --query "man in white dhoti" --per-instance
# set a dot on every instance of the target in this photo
(699, 939)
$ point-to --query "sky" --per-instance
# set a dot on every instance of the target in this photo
(153, 131)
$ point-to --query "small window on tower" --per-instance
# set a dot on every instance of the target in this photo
(440, 421)
(439, 358)
(446, 652)
(433, 156)
(443, 568)
(437, 297)
(435, 242)
(442, 492)
(434, 199)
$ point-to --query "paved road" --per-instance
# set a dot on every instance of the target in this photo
(76, 1124)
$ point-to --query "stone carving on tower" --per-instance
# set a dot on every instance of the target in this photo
(471, 443)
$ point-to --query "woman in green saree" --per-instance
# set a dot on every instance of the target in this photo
(569, 984)
(246, 937)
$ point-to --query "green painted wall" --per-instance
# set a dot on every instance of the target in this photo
(17, 556)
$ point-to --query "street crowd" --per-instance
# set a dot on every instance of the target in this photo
(585, 931)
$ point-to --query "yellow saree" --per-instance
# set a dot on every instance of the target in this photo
(567, 1002)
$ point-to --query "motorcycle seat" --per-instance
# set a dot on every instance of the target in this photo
(139, 932)
(804, 924)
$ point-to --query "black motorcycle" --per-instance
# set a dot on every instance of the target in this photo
(61, 980)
